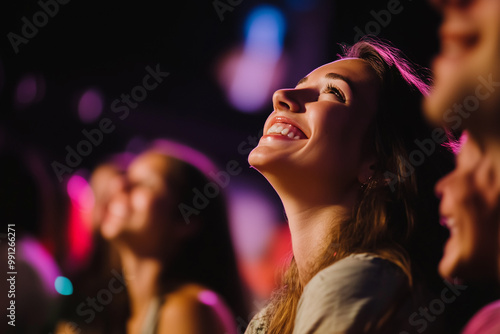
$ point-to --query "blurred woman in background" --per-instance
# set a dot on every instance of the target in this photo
(180, 266)
(102, 270)
(467, 69)
(174, 257)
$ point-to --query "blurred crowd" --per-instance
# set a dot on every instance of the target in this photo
(390, 183)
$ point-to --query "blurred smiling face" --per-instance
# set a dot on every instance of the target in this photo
(316, 137)
(470, 49)
(472, 248)
(140, 214)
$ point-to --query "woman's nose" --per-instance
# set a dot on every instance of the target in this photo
(441, 185)
(286, 100)
(116, 183)
(118, 204)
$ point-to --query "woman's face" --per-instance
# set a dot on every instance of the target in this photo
(316, 137)
(105, 182)
(467, 65)
(471, 251)
(140, 214)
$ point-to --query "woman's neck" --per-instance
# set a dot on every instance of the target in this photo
(142, 282)
(311, 228)
(491, 168)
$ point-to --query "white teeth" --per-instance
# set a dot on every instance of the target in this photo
(451, 225)
(272, 129)
(283, 130)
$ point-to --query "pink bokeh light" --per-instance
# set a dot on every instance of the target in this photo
(79, 229)
(185, 153)
(40, 259)
(30, 89)
(251, 74)
(211, 299)
(90, 106)
(208, 297)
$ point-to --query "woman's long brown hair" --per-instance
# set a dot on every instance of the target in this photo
(390, 220)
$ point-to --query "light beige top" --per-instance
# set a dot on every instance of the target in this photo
(353, 294)
(350, 295)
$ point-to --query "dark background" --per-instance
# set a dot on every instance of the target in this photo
(107, 44)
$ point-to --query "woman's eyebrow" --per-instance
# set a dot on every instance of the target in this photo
(337, 76)
(331, 75)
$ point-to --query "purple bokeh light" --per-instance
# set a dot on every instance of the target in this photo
(40, 259)
(253, 219)
(30, 89)
(90, 106)
(208, 297)
(250, 75)
(185, 153)
(79, 191)
(211, 299)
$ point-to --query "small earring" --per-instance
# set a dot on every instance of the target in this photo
(363, 185)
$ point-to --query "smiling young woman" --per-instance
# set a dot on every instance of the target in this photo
(180, 277)
(465, 97)
(362, 250)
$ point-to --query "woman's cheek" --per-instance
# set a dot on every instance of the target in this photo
(141, 201)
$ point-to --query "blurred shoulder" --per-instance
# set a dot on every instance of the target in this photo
(193, 308)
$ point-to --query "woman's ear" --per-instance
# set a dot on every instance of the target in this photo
(367, 171)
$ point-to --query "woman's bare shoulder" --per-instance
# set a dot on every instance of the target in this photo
(188, 310)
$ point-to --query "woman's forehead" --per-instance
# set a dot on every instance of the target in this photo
(357, 71)
(350, 67)
(149, 161)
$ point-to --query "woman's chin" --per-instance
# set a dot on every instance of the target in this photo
(110, 229)
(446, 268)
(450, 259)
(261, 157)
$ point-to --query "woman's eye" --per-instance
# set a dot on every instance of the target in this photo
(138, 185)
(330, 89)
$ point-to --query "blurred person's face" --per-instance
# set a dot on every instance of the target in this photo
(467, 68)
(141, 214)
(472, 250)
(105, 182)
(315, 138)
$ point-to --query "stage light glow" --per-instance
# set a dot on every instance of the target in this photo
(26, 90)
(208, 297)
(253, 72)
(264, 33)
(79, 228)
(253, 219)
(33, 252)
(211, 299)
(63, 285)
(79, 191)
(30, 89)
(136, 144)
(90, 106)
(185, 153)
